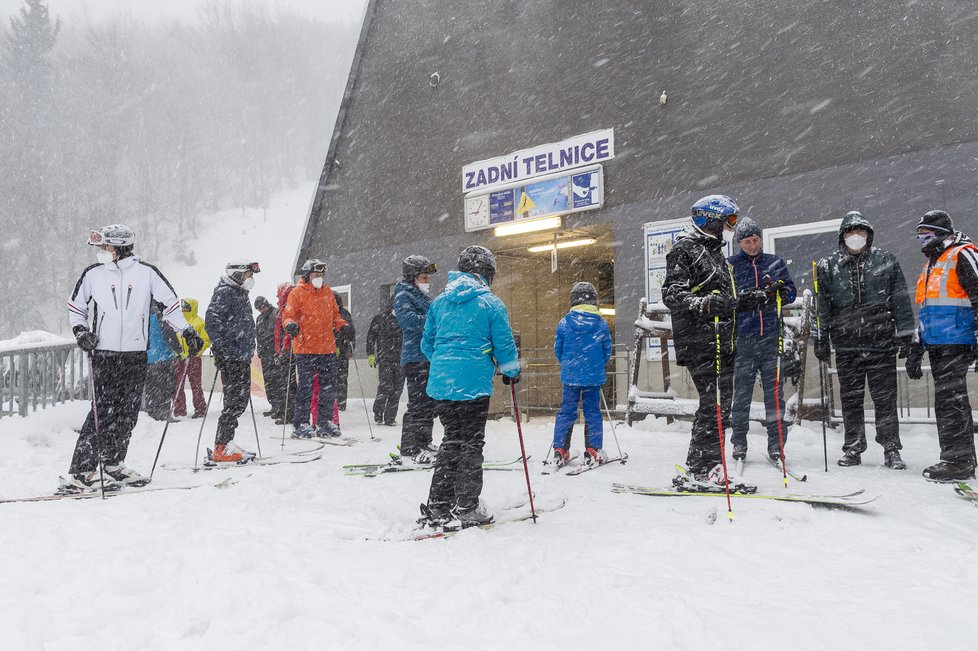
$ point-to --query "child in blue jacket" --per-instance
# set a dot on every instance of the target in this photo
(583, 348)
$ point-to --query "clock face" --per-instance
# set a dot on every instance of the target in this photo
(476, 212)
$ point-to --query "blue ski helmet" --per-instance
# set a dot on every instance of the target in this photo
(713, 212)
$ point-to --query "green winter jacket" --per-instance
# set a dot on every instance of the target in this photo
(862, 301)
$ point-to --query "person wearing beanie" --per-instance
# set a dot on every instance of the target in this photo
(760, 278)
(947, 307)
(864, 312)
(582, 346)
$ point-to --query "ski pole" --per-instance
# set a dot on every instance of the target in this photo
(98, 435)
(169, 415)
(203, 420)
(288, 385)
(612, 423)
(526, 470)
(363, 398)
(251, 404)
(723, 454)
(777, 387)
(821, 367)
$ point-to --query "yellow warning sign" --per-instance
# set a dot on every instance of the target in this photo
(526, 204)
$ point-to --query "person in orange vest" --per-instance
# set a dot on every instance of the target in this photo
(947, 307)
(311, 316)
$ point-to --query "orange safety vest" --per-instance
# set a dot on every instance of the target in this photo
(944, 308)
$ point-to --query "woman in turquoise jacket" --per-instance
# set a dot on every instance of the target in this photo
(467, 336)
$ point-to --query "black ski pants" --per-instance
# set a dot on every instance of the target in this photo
(236, 381)
(119, 380)
(955, 428)
(159, 390)
(342, 379)
(878, 367)
(419, 419)
(457, 479)
(274, 377)
(388, 392)
(704, 444)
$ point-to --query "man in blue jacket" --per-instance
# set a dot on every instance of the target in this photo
(411, 303)
(467, 337)
(232, 330)
(759, 277)
(583, 348)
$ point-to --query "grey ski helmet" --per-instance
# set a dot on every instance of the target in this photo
(478, 260)
(415, 265)
(236, 269)
(583, 293)
(115, 234)
(311, 265)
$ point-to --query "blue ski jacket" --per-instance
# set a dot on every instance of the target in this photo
(583, 347)
(466, 336)
(750, 272)
(411, 307)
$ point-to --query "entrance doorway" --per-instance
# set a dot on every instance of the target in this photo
(537, 294)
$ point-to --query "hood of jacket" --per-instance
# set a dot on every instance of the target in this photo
(581, 318)
(463, 287)
(192, 302)
(852, 221)
(283, 293)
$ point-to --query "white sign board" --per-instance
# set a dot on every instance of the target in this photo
(585, 149)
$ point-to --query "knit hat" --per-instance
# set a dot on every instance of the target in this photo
(746, 227)
(261, 302)
(936, 220)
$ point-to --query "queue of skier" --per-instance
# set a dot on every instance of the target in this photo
(727, 327)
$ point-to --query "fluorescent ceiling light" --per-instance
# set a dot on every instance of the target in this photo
(547, 224)
(562, 245)
(607, 311)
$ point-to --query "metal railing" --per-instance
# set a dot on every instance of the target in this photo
(39, 375)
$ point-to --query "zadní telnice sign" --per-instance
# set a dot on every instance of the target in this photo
(554, 157)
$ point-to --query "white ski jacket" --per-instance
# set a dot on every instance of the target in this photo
(120, 293)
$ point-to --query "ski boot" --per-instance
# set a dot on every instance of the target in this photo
(892, 459)
(304, 431)
(595, 457)
(85, 482)
(231, 453)
(740, 452)
(850, 459)
(124, 475)
(561, 457)
(328, 430)
(434, 518)
(476, 517)
(948, 472)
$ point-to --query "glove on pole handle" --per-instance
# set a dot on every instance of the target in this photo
(363, 399)
(526, 470)
(203, 420)
(288, 385)
(98, 435)
(169, 414)
(723, 454)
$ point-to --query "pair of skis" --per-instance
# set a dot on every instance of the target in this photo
(568, 468)
(376, 469)
(116, 490)
(513, 514)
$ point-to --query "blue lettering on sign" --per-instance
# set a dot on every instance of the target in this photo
(602, 149)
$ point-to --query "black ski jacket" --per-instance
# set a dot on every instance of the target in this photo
(862, 301)
(346, 337)
(265, 334)
(697, 267)
(384, 338)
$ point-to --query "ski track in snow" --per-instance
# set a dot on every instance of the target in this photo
(294, 556)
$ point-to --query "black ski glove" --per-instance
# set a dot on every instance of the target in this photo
(194, 343)
(712, 305)
(915, 356)
(752, 299)
(86, 339)
(511, 380)
(774, 289)
(292, 328)
(823, 351)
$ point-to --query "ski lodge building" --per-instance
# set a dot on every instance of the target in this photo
(571, 138)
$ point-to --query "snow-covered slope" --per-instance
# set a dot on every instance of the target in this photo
(273, 241)
(291, 557)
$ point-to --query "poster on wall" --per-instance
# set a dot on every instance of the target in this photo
(660, 237)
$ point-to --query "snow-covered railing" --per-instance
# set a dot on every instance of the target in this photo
(35, 375)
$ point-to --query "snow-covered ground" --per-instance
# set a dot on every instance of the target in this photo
(293, 556)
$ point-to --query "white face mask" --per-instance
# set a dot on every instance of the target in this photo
(425, 287)
(855, 242)
(317, 282)
(248, 283)
(104, 257)
(728, 236)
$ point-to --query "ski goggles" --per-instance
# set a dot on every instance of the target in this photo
(728, 220)
(318, 268)
(430, 269)
(253, 267)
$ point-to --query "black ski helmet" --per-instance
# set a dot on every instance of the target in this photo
(415, 265)
(478, 260)
(311, 265)
(583, 293)
(261, 302)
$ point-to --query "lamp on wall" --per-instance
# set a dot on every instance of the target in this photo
(531, 226)
(569, 244)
